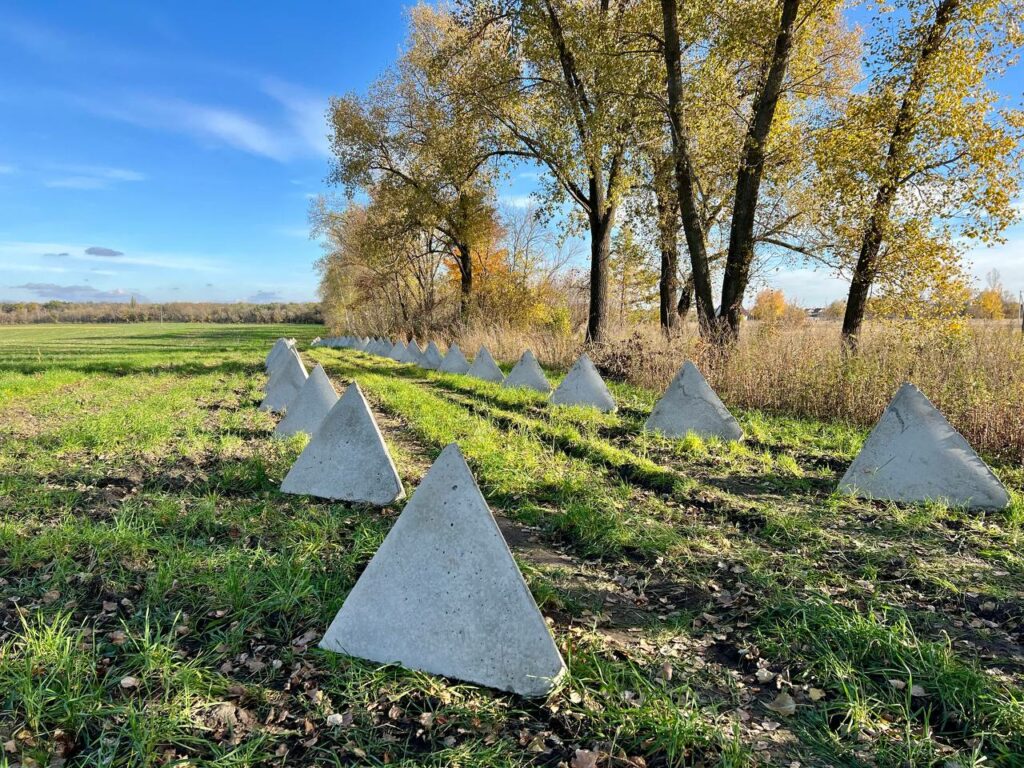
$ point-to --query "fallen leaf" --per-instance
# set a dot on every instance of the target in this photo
(816, 694)
(783, 705)
(129, 682)
(666, 671)
(917, 691)
(584, 758)
(899, 685)
(764, 675)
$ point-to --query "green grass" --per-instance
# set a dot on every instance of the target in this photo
(161, 600)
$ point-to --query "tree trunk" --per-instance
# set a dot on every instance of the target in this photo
(600, 250)
(902, 133)
(465, 281)
(748, 179)
(685, 298)
(683, 170)
(668, 225)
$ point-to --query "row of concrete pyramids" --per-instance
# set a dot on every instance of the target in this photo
(912, 455)
(444, 571)
(443, 593)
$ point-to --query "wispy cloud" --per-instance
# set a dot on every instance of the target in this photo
(19, 252)
(6, 170)
(306, 112)
(264, 297)
(299, 131)
(77, 292)
(91, 176)
(97, 250)
(518, 201)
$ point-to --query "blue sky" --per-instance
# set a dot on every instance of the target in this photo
(171, 153)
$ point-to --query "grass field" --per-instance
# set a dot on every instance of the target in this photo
(717, 604)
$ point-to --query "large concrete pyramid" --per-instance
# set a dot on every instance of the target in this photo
(913, 454)
(443, 594)
(454, 361)
(431, 357)
(583, 385)
(346, 459)
(280, 346)
(527, 373)
(285, 382)
(310, 407)
(691, 405)
(485, 368)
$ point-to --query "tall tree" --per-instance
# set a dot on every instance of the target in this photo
(412, 133)
(926, 156)
(561, 90)
(751, 169)
(742, 84)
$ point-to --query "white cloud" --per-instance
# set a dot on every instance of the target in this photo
(91, 177)
(518, 201)
(17, 252)
(299, 129)
(7, 169)
(307, 113)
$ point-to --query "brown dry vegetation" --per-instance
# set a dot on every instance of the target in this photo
(975, 375)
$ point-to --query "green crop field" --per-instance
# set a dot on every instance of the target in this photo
(716, 604)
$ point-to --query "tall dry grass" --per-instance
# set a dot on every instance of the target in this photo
(975, 376)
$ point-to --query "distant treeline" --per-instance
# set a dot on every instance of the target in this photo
(12, 313)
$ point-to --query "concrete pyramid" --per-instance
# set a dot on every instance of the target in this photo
(412, 354)
(280, 346)
(691, 405)
(346, 459)
(913, 455)
(431, 357)
(308, 408)
(444, 595)
(527, 373)
(285, 382)
(397, 352)
(485, 368)
(454, 361)
(583, 385)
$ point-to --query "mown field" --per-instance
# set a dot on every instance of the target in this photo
(717, 604)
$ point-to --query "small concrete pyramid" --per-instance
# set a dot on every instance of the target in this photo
(310, 407)
(583, 385)
(443, 594)
(691, 405)
(346, 459)
(485, 368)
(397, 352)
(411, 355)
(527, 373)
(285, 382)
(431, 357)
(454, 361)
(914, 455)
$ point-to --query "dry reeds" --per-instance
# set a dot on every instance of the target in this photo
(975, 376)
